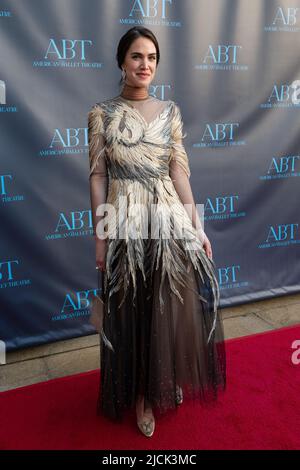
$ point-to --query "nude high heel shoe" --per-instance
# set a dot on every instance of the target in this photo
(146, 424)
(179, 395)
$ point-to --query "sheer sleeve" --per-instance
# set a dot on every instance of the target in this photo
(180, 173)
(98, 177)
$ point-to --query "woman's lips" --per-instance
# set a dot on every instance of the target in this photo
(143, 75)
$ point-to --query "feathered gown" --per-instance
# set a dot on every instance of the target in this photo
(161, 325)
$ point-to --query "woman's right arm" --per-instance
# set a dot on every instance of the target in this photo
(98, 178)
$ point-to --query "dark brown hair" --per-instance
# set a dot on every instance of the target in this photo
(127, 39)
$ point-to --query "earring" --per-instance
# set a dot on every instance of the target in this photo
(123, 75)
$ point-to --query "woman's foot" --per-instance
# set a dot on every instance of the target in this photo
(145, 418)
(179, 395)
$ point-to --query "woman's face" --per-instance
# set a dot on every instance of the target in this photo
(140, 62)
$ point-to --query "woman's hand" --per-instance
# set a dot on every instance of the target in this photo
(207, 247)
(101, 247)
(205, 243)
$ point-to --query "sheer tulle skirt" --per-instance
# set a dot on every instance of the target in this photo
(154, 351)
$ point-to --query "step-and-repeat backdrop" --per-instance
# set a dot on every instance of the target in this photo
(234, 70)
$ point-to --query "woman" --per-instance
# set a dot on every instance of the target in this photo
(162, 334)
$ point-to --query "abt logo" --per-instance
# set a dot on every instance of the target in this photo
(296, 355)
(283, 164)
(2, 353)
(150, 8)
(282, 232)
(220, 131)
(222, 54)
(287, 16)
(285, 93)
(69, 137)
(67, 49)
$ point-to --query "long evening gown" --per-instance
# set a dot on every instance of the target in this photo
(160, 298)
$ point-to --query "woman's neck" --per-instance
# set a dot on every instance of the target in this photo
(131, 92)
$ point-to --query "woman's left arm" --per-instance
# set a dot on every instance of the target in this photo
(183, 188)
(180, 173)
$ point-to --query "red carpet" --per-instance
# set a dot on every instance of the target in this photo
(259, 410)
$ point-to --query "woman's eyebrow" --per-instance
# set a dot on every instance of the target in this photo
(139, 53)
